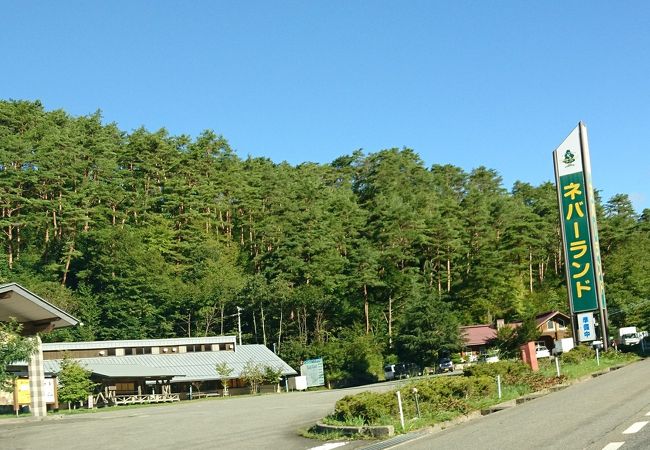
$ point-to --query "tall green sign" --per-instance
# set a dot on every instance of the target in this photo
(578, 220)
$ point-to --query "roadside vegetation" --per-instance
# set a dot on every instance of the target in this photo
(440, 399)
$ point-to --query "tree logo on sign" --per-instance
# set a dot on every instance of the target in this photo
(569, 157)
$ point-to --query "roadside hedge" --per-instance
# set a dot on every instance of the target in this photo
(578, 354)
(450, 394)
(513, 373)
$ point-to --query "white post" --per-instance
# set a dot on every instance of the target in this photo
(557, 366)
(401, 413)
(597, 356)
(499, 385)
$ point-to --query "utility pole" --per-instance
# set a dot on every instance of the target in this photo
(239, 323)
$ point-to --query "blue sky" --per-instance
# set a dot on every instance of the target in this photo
(469, 83)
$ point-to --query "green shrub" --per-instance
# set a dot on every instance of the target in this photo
(512, 373)
(614, 355)
(456, 387)
(452, 393)
(367, 406)
(578, 354)
(435, 395)
(503, 368)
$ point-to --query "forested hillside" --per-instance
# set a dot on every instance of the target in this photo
(144, 234)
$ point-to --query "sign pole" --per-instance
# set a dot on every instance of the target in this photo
(595, 245)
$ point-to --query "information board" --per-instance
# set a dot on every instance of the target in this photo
(312, 369)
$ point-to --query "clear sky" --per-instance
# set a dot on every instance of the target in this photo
(468, 83)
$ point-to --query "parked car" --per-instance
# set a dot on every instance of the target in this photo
(407, 370)
(389, 372)
(541, 351)
(488, 358)
(401, 370)
(445, 365)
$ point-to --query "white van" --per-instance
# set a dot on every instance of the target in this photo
(541, 351)
(389, 372)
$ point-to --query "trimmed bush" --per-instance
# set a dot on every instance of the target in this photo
(578, 354)
(513, 373)
(366, 406)
(503, 368)
(448, 394)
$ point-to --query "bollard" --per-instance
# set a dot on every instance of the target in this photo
(401, 413)
(557, 366)
(417, 403)
(499, 385)
(597, 357)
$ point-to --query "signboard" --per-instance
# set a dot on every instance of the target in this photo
(22, 391)
(586, 327)
(577, 217)
(312, 369)
(23, 394)
(48, 390)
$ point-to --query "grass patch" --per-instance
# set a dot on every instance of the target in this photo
(329, 436)
(574, 369)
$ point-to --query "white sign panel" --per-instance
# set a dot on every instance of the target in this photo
(48, 390)
(586, 327)
(569, 154)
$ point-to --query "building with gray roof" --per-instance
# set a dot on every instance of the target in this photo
(177, 365)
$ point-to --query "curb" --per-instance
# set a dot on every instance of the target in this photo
(376, 431)
(499, 407)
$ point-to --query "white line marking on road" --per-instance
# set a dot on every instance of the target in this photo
(329, 446)
(613, 445)
(635, 427)
(647, 414)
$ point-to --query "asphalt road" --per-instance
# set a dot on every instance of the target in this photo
(261, 422)
(590, 415)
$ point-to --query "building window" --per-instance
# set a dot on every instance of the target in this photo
(560, 324)
(550, 325)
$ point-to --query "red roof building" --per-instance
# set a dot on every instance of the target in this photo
(552, 325)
